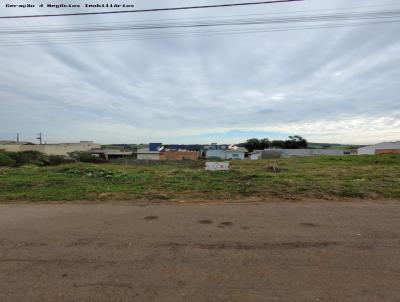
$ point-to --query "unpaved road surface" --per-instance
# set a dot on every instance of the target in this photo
(319, 251)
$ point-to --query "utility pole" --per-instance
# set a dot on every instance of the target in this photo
(40, 138)
(17, 137)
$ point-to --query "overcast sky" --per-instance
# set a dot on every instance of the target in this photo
(337, 85)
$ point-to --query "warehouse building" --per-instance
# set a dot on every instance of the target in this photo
(390, 147)
(50, 149)
(277, 153)
(13, 146)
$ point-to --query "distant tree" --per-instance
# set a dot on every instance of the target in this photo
(252, 144)
(298, 142)
(294, 142)
(265, 143)
(278, 144)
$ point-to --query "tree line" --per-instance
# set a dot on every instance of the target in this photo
(294, 142)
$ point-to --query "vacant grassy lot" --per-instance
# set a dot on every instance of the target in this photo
(329, 177)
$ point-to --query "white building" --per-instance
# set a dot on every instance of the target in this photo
(239, 153)
(255, 155)
(312, 152)
(277, 153)
(146, 154)
(372, 149)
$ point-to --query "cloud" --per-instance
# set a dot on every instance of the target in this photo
(331, 85)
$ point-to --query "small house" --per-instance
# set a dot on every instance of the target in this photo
(227, 153)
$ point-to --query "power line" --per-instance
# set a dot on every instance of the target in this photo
(344, 8)
(81, 33)
(213, 23)
(155, 36)
(152, 9)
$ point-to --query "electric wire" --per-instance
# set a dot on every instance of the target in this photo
(233, 22)
(152, 9)
(153, 29)
(123, 38)
(345, 8)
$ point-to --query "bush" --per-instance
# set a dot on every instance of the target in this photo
(55, 160)
(86, 157)
(28, 157)
(214, 158)
(93, 172)
(5, 160)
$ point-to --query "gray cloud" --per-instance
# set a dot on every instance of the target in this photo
(303, 82)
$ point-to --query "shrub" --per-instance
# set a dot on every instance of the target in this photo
(55, 160)
(214, 158)
(5, 160)
(86, 157)
(93, 172)
(28, 157)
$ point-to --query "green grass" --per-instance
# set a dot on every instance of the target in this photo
(329, 177)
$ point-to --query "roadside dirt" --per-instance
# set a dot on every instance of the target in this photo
(288, 251)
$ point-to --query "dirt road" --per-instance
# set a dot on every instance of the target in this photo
(318, 251)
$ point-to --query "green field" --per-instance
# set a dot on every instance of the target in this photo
(329, 177)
